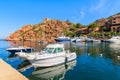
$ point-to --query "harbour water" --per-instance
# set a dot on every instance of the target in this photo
(95, 61)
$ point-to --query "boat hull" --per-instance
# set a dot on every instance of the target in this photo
(52, 61)
(48, 62)
(62, 40)
(115, 39)
(20, 50)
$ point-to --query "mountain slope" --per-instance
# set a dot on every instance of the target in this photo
(47, 31)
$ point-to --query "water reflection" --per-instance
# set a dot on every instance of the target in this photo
(50, 73)
(35, 44)
(93, 68)
(12, 55)
(111, 51)
(115, 47)
(95, 61)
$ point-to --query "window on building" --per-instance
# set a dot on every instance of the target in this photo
(114, 22)
(113, 28)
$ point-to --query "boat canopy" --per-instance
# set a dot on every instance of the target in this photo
(54, 48)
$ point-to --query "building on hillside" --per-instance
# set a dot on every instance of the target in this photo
(82, 31)
(114, 23)
(109, 24)
(101, 22)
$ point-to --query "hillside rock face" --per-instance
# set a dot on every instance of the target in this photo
(46, 31)
(101, 22)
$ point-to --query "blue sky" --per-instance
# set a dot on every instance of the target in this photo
(16, 13)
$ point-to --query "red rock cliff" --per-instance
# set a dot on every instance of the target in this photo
(47, 31)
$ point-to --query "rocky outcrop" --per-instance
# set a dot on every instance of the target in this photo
(101, 22)
(47, 31)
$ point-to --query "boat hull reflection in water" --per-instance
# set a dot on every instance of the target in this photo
(53, 72)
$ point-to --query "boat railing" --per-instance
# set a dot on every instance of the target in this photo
(67, 51)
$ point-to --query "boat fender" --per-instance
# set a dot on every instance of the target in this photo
(66, 59)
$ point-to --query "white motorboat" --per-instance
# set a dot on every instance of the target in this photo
(115, 39)
(53, 54)
(77, 39)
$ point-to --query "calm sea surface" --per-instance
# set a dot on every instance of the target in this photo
(95, 61)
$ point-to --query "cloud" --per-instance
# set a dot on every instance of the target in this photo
(113, 9)
(78, 15)
(98, 7)
(82, 14)
(105, 7)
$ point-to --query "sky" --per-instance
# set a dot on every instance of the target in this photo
(16, 13)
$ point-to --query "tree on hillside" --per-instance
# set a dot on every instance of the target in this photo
(104, 28)
(114, 33)
(71, 34)
(78, 25)
(65, 32)
(92, 26)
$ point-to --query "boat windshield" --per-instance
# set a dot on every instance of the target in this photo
(48, 50)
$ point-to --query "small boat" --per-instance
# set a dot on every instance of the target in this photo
(89, 40)
(19, 49)
(92, 40)
(77, 39)
(53, 54)
(96, 41)
(114, 39)
(105, 41)
(63, 39)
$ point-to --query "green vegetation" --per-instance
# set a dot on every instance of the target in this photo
(73, 28)
(92, 27)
